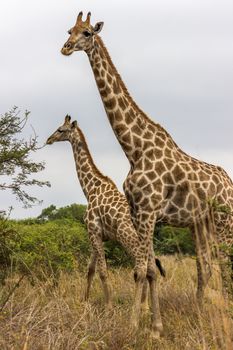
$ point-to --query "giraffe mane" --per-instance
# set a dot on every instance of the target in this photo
(96, 170)
(124, 88)
(100, 41)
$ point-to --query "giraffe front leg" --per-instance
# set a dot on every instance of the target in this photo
(145, 297)
(156, 321)
(141, 284)
(144, 300)
(140, 278)
(145, 229)
(145, 292)
(90, 274)
(98, 249)
(102, 269)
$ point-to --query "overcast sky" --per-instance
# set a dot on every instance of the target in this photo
(175, 57)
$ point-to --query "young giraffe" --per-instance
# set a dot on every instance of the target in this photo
(107, 216)
(164, 183)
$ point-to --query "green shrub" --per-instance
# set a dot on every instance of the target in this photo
(57, 241)
(49, 248)
(116, 255)
(170, 240)
(8, 237)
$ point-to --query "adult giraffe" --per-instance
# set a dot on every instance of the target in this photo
(164, 183)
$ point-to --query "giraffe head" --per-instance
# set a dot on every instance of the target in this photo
(81, 35)
(62, 133)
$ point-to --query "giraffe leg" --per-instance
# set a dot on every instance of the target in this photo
(98, 249)
(144, 300)
(145, 292)
(203, 275)
(141, 284)
(90, 274)
(102, 269)
(140, 277)
(204, 240)
(156, 321)
(144, 223)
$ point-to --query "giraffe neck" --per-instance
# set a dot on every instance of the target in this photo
(89, 175)
(126, 118)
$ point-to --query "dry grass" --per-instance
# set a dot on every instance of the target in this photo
(42, 317)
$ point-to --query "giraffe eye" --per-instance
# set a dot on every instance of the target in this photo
(86, 34)
(59, 130)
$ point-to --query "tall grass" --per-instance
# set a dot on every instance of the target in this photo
(44, 317)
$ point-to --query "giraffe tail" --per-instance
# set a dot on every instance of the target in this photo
(160, 267)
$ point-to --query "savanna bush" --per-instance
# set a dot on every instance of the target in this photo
(172, 240)
(57, 241)
(48, 248)
(8, 238)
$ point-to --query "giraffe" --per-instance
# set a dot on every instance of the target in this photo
(107, 217)
(164, 183)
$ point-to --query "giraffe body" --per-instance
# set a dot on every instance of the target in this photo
(107, 217)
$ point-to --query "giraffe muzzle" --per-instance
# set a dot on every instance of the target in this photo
(67, 49)
(49, 141)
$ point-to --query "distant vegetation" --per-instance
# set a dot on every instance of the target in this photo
(57, 241)
(74, 211)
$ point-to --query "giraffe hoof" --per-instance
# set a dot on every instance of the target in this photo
(108, 307)
(156, 331)
(152, 334)
(155, 335)
(159, 327)
(133, 325)
(84, 299)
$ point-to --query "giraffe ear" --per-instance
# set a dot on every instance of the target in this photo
(98, 27)
(74, 124)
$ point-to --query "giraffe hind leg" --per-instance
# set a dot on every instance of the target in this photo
(204, 273)
(104, 280)
(204, 240)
